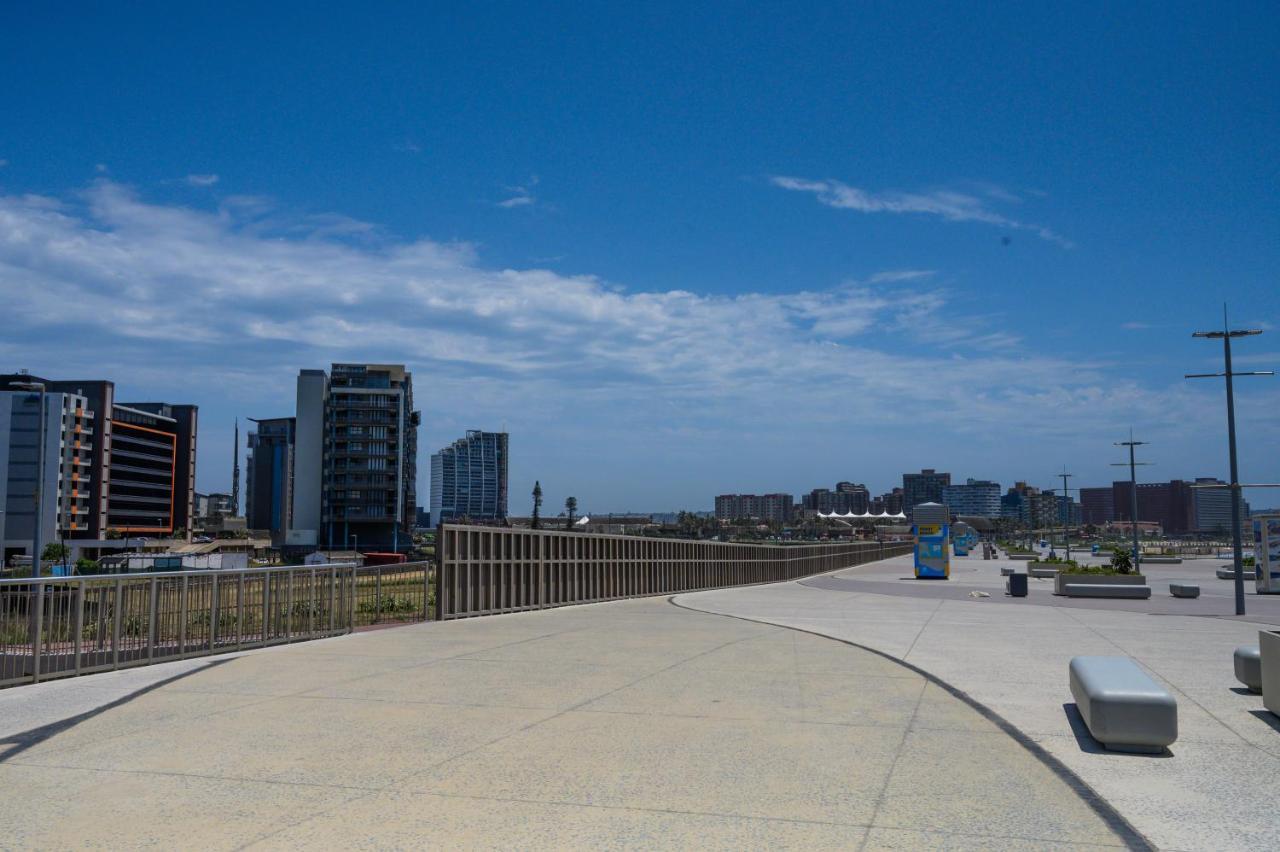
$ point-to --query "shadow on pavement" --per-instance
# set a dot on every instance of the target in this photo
(1091, 746)
(20, 742)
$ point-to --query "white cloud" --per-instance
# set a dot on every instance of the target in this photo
(947, 204)
(520, 195)
(202, 180)
(1135, 326)
(3, 163)
(406, 146)
(225, 305)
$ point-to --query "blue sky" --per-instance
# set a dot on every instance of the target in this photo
(676, 252)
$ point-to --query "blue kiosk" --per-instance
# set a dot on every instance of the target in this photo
(931, 527)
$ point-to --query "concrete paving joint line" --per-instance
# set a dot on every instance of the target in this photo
(1133, 838)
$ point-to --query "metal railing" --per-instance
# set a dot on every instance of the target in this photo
(66, 626)
(489, 570)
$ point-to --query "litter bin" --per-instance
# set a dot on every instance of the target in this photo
(1017, 585)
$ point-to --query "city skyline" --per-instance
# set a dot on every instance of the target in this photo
(993, 271)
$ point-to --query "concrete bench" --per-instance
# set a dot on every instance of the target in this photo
(1184, 590)
(1103, 590)
(1122, 706)
(1006, 570)
(1248, 662)
(1042, 572)
(1230, 574)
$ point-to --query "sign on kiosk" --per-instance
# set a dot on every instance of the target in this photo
(931, 526)
(1266, 553)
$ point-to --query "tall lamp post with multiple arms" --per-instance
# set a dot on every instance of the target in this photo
(1066, 514)
(1133, 465)
(1226, 334)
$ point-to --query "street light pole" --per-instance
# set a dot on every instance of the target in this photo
(1133, 493)
(1237, 544)
(1066, 514)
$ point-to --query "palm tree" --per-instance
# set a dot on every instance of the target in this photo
(570, 507)
(537, 504)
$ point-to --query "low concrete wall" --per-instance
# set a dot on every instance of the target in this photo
(1097, 580)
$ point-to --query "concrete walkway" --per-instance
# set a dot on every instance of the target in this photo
(634, 724)
(1011, 655)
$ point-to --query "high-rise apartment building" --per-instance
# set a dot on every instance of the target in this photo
(269, 477)
(923, 487)
(63, 479)
(152, 468)
(977, 497)
(469, 478)
(355, 457)
(775, 508)
(136, 466)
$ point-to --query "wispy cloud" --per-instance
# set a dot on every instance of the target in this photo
(950, 205)
(520, 195)
(406, 146)
(1135, 325)
(3, 163)
(890, 276)
(201, 180)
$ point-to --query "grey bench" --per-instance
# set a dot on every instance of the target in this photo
(1122, 706)
(1106, 590)
(1230, 574)
(1248, 662)
(1041, 572)
(1006, 570)
(1184, 590)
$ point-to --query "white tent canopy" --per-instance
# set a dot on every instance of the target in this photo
(865, 516)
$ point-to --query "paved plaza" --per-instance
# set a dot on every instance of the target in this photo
(1011, 655)
(633, 724)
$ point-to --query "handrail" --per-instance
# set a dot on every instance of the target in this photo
(189, 572)
(67, 626)
(194, 572)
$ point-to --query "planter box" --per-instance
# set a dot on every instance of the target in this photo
(1269, 651)
(1098, 580)
(1025, 557)
(1042, 571)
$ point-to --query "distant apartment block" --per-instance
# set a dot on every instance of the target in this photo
(1167, 503)
(127, 467)
(355, 457)
(1097, 506)
(889, 503)
(469, 478)
(1031, 507)
(852, 497)
(977, 497)
(847, 497)
(1211, 508)
(923, 487)
(775, 508)
(269, 477)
